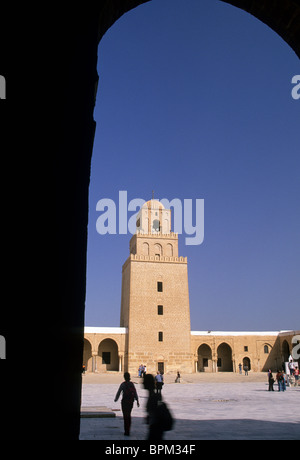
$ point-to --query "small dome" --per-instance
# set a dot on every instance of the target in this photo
(153, 204)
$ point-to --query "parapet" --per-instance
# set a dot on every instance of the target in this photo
(170, 235)
(142, 258)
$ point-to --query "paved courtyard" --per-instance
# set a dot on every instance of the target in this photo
(205, 406)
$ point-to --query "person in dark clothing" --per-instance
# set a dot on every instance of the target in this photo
(155, 428)
(271, 381)
(129, 395)
(177, 380)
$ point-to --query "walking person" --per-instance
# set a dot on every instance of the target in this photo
(246, 369)
(129, 395)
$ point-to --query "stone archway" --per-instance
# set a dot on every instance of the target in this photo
(247, 362)
(285, 351)
(283, 17)
(87, 356)
(224, 363)
(204, 358)
(108, 356)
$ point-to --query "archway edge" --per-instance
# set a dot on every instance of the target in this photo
(282, 17)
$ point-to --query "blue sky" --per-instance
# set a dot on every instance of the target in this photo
(194, 102)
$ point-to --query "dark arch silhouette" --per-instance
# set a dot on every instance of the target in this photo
(48, 57)
(282, 17)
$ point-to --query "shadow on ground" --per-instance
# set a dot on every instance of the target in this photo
(239, 429)
(235, 429)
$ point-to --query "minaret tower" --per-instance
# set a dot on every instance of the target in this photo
(155, 297)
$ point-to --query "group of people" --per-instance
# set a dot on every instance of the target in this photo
(159, 418)
(158, 415)
(246, 369)
(282, 379)
(294, 370)
(142, 370)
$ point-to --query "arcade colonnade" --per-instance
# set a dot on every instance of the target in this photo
(225, 351)
(105, 350)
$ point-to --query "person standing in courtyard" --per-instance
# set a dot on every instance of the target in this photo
(141, 367)
(283, 381)
(280, 379)
(159, 381)
(271, 381)
(296, 374)
(129, 395)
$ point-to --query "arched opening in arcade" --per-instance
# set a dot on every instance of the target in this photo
(108, 356)
(87, 356)
(204, 358)
(285, 351)
(246, 364)
(224, 363)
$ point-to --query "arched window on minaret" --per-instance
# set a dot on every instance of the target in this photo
(158, 249)
(145, 249)
(169, 250)
(156, 226)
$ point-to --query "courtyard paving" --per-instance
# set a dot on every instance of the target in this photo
(205, 407)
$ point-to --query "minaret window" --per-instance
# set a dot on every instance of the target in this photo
(159, 286)
(158, 249)
(160, 309)
(156, 225)
(160, 336)
(169, 250)
(146, 249)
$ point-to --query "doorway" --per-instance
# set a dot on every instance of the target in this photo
(161, 367)
(247, 362)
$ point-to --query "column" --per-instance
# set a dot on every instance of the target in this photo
(94, 361)
(120, 363)
(215, 363)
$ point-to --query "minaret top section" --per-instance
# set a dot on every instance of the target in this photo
(153, 218)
